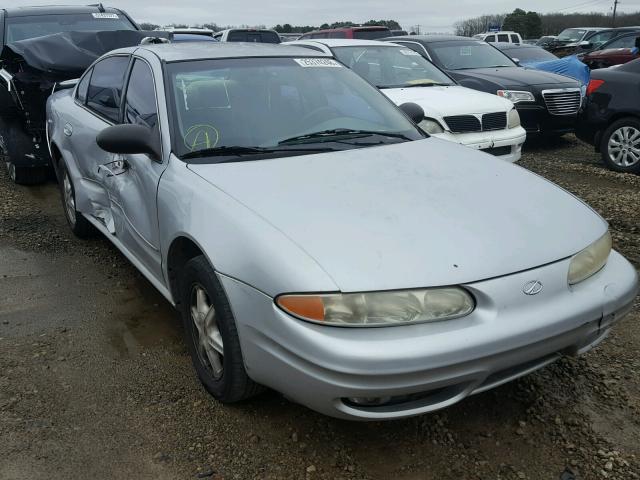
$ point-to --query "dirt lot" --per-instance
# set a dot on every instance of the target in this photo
(95, 381)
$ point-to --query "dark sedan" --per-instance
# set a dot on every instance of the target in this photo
(547, 103)
(616, 52)
(611, 120)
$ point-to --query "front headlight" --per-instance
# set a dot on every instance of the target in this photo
(590, 260)
(379, 309)
(514, 119)
(516, 95)
(431, 126)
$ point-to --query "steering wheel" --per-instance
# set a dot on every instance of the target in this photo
(318, 115)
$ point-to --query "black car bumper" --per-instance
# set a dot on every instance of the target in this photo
(537, 120)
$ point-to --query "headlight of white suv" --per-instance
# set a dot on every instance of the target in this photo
(516, 95)
(431, 126)
(590, 260)
(379, 309)
(514, 119)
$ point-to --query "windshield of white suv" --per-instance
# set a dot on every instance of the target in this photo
(248, 107)
(31, 26)
(391, 67)
(571, 35)
(462, 55)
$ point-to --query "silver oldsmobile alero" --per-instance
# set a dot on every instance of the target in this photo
(318, 243)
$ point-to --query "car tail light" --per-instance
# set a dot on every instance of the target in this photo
(594, 85)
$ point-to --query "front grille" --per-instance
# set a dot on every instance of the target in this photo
(463, 123)
(471, 123)
(563, 102)
(494, 121)
(498, 151)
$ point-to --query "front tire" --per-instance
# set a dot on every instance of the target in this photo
(13, 144)
(80, 226)
(620, 146)
(211, 334)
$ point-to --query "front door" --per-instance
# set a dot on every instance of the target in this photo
(132, 180)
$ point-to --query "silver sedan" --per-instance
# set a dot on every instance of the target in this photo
(316, 242)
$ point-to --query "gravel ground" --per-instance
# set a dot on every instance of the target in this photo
(95, 381)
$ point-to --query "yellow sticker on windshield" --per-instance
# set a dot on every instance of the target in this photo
(200, 137)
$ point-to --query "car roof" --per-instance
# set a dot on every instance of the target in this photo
(431, 38)
(56, 10)
(345, 42)
(511, 46)
(176, 52)
(248, 29)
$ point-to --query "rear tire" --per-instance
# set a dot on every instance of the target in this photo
(13, 144)
(79, 225)
(211, 334)
(620, 146)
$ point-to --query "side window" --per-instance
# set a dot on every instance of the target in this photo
(490, 38)
(515, 39)
(415, 47)
(337, 35)
(140, 103)
(503, 38)
(624, 42)
(105, 87)
(83, 87)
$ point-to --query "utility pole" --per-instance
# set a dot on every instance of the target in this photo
(615, 8)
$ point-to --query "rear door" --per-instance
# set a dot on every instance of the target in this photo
(99, 98)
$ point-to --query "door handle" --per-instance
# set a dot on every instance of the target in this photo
(115, 168)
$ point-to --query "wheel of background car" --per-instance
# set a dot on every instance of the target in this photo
(620, 145)
(317, 115)
(211, 334)
(80, 226)
(14, 144)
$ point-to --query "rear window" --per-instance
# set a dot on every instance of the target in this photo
(372, 34)
(253, 36)
(31, 26)
(515, 39)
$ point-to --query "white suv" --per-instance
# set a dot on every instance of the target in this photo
(500, 37)
(475, 119)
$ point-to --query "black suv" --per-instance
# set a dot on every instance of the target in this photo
(24, 89)
(547, 103)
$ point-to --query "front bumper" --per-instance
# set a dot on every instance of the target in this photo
(505, 144)
(537, 120)
(432, 365)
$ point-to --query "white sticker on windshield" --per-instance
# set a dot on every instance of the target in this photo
(409, 53)
(317, 62)
(105, 15)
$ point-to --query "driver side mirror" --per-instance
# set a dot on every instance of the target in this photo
(130, 139)
(413, 111)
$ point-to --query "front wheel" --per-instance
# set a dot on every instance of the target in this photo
(13, 145)
(620, 147)
(211, 334)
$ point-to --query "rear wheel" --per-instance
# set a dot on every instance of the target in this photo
(211, 334)
(13, 145)
(80, 226)
(620, 146)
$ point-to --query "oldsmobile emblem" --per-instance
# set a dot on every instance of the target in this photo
(532, 288)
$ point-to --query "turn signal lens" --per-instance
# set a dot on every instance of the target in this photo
(590, 260)
(594, 85)
(379, 309)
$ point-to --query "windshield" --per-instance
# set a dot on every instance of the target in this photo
(256, 36)
(571, 35)
(530, 54)
(31, 26)
(262, 103)
(462, 55)
(391, 67)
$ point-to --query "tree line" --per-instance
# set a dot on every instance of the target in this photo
(284, 28)
(534, 25)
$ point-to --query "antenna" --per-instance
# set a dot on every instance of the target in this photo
(615, 8)
(98, 6)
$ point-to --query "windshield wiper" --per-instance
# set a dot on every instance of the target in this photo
(238, 151)
(339, 132)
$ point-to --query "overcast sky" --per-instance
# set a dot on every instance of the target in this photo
(434, 16)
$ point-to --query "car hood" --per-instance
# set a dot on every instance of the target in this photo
(451, 100)
(510, 77)
(415, 214)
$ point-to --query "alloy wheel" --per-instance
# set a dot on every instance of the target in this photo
(69, 199)
(206, 335)
(624, 146)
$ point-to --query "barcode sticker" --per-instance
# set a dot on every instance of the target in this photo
(317, 62)
(105, 15)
